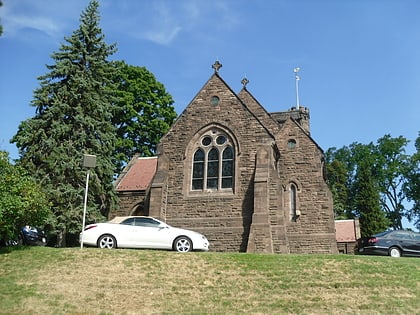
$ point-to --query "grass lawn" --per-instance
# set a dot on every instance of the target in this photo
(44, 280)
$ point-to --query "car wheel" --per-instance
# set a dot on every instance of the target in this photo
(183, 244)
(107, 241)
(394, 252)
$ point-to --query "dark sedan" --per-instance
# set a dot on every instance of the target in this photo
(393, 243)
(33, 236)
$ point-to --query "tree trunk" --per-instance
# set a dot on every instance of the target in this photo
(61, 238)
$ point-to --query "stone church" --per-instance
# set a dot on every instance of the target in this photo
(251, 181)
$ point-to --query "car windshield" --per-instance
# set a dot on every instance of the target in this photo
(382, 234)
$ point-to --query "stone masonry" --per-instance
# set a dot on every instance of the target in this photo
(277, 201)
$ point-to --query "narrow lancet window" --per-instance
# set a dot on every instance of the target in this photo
(293, 203)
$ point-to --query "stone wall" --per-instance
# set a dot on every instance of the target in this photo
(254, 215)
(302, 164)
(129, 202)
(224, 216)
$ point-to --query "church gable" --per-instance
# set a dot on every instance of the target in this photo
(215, 103)
(216, 126)
(227, 169)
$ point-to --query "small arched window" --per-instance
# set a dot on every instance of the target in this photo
(213, 162)
(294, 212)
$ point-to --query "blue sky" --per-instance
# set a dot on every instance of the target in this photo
(359, 59)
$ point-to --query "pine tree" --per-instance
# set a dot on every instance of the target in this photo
(337, 181)
(372, 218)
(73, 117)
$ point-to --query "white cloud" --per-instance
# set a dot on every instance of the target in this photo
(163, 21)
(162, 36)
(14, 24)
(166, 25)
(158, 21)
(52, 18)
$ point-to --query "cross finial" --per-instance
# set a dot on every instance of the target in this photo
(244, 82)
(216, 66)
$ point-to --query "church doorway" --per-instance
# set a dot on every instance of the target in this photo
(138, 209)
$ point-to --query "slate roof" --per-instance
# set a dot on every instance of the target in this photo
(138, 174)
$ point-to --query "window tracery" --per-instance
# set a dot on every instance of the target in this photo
(213, 162)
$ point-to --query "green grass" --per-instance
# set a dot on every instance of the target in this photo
(42, 280)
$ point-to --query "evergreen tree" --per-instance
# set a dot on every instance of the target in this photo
(337, 182)
(143, 112)
(73, 117)
(372, 218)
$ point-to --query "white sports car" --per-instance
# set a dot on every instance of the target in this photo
(142, 232)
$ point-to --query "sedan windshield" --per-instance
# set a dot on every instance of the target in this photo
(382, 234)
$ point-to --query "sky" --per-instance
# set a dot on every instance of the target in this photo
(359, 60)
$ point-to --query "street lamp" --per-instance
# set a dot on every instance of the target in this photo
(89, 161)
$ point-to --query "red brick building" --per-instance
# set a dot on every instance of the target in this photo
(249, 180)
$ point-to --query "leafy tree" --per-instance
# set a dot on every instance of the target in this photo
(22, 200)
(143, 112)
(412, 186)
(366, 202)
(73, 117)
(392, 167)
(389, 167)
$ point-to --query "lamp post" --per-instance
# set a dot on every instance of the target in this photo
(89, 161)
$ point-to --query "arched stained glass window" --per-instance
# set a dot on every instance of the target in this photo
(213, 162)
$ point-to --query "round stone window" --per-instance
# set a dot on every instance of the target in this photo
(291, 144)
(206, 141)
(220, 140)
(215, 100)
